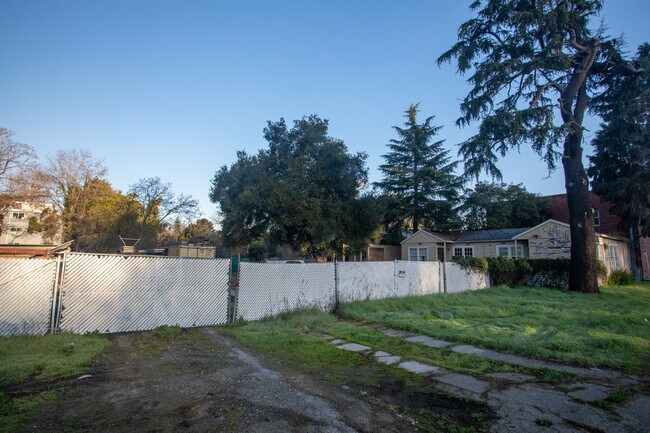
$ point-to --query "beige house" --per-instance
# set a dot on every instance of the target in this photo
(550, 239)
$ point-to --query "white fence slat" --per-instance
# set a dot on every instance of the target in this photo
(462, 280)
(365, 280)
(268, 289)
(26, 287)
(117, 293)
(417, 278)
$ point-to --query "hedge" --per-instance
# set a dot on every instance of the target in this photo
(522, 271)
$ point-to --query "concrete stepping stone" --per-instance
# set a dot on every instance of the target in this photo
(419, 368)
(337, 341)
(428, 341)
(510, 377)
(468, 349)
(386, 358)
(588, 392)
(354, 347)
(389, 360)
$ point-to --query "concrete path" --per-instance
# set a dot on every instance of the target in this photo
(521, 404)
(595, 373)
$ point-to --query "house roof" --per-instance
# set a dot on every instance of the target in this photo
(483, 235)
(17, 250)
(544, 223)
(491, 235)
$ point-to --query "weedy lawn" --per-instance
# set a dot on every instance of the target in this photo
(608, 330)
(42, 359)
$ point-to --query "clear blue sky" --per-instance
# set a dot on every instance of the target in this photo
(174, 88)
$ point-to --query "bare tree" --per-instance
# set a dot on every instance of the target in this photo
(15, 157)
(159, 202)
(66, 172)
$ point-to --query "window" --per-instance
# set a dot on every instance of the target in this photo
(419, 254)
(17, 215)
(464, 252)
(15, 230)
(509, 251)
(597, 217)
(613, 256)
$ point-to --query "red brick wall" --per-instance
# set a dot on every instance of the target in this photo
(608, 224)
(608, 221)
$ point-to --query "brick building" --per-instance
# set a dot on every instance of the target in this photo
(605, 222)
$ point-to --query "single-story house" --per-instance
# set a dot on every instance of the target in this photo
(550, 239)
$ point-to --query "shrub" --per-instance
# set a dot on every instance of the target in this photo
(512, 272)
(257, 252)
(620, 277)
(479, 264)
(602, 269)
(533, 272)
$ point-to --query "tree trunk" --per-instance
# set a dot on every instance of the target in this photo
(583, 275)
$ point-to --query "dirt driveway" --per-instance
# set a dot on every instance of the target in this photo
(204, 382)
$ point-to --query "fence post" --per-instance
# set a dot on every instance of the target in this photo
(394, 278)
(54, 309)
(233, 290)
(336, 286)
(59, 298)
(444, 276)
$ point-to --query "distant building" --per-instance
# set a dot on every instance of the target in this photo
(15, 229)
(606, 223)
(192, 251)
(550, 239)
(376, 253)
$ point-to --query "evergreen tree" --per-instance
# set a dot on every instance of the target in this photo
(620, 166)
(419, 175)
(530, 64)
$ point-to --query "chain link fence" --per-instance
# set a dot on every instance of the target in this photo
(120, 293)
(270, 289)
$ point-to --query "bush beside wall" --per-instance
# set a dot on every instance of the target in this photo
(518, 272)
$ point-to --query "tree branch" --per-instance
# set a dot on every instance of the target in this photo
(541, 90)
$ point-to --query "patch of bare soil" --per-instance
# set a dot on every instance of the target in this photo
(202, 381)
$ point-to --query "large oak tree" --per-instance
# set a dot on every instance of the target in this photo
(304, 190)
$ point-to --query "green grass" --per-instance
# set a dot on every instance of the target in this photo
(43, 358)
(610, 330)
(47, 357)
(14, 411)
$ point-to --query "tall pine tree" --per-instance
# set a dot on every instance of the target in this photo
(419, 176)
(620, 166)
